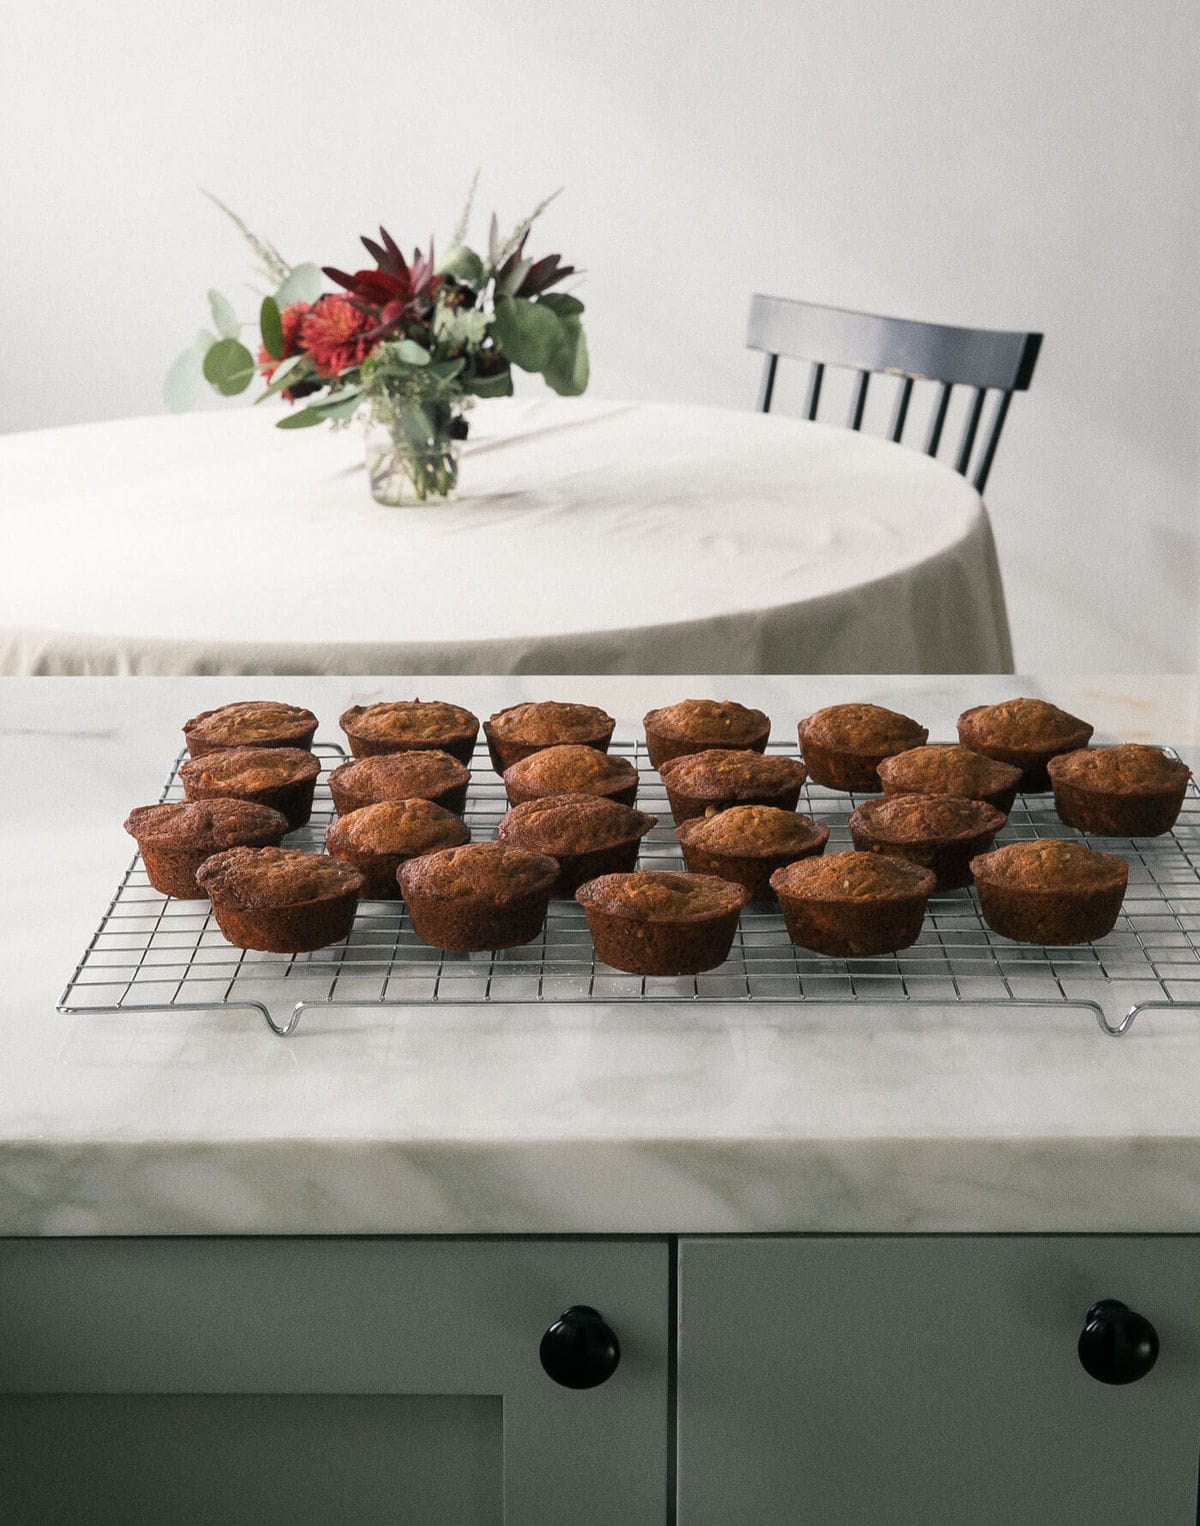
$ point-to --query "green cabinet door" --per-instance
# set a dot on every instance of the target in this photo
(915, 1381)
(326, 1380)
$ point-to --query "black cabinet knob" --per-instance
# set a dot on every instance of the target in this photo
(1117, 1345)
(579, 1350)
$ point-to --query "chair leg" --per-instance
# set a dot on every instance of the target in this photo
(767, 385)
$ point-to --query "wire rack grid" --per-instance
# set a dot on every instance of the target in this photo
(153, 953)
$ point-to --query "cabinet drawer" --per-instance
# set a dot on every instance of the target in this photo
(326, 1380)
(924, 1380)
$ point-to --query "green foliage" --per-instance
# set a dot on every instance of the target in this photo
(536, 337)
(410, 352)
(339, 405)
(225, 320)
(500, 385)
(304, 284)
(296, 368)
(271, 326)
(464, 265)
(182, 381)
(229, 367)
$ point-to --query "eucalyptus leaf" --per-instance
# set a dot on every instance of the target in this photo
(567, 372)
(271, 326)
(285, 375)
(305, 419)
(464, 265)
(500, 385)
(340, 407)
(445, 370)
(182, 381)
(409, 351)
(229, 367)
(528, 333)
(562, 303)
(303, 285)
(225, 320)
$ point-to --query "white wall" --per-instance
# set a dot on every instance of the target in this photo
(1008, 164)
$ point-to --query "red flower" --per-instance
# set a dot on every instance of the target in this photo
(335, 335)
(291, 319)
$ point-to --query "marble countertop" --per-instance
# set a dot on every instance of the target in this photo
(550, 1119)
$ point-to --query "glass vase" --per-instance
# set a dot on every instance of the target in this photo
(412, 453)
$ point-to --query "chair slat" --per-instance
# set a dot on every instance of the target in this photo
(990, 440)
(858, 400)
(970, 429)
(767, 385)
(812, 399)
(938, 422)
(900, 411)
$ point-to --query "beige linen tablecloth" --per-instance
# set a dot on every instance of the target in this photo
(590, 537)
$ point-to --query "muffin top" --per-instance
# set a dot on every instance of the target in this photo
(402, 775)
(578, 823)
(649, 896)
(752, 831)
(709, 723)
(247, 878)
(491, 871)
(946, 770)
(1128, 769)
(251, 723)
(550, 721)
(866, 729)
(1050, 864)
(410, 721)
(1023, 723)
(926, 818)
(718, 774)
(249, 770)
(569, 768)
(396, 827)
(853, 877)
(200, 824)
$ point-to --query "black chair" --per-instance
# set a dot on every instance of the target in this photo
(983, 359)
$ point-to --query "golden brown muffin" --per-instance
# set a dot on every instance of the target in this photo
(1024, 732)
(702, 783)
(175, 838)
(484, 896)
(279, 899)
(570, 769)
(1050, 892)
(662, 924)
(285, 778)
(939, 832)
(250, 723)
(696, 725)
(418, 775)
(377, 839)
(948, 769)
(1124, 791)
(747, 843)
(588, 835)
(853, 904)
(522, 730)
(410, 725)
(843, 745)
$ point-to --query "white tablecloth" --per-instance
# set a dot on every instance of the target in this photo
(590, 537)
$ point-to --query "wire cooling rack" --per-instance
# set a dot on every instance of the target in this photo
(153, 953)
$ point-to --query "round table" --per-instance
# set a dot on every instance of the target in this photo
(589, 537)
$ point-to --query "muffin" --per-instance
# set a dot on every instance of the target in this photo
(747, 843)
(1125, 791)
(939, 832)
(483, 896)
(250, 723)
(947, 769)
(377, 839)
(588, 835)
(285, 778)
(702, 783)
(1049, 891)
(176, 837)
(410, 725)
(697, 725)
(522, 730)
(280, 900)
(417, 775)
(662, 924)
(570, 769)
(1024, 732)
(853, 904)
(843, 745)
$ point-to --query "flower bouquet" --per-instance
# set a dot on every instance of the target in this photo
(406, 345)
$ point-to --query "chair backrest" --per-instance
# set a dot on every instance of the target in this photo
(986, 360)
